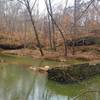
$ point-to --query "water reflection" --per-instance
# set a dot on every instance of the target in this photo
(19, 83)
(41, 92)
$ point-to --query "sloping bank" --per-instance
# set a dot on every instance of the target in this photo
(74, 73)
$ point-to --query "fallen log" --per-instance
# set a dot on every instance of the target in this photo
(11, 47)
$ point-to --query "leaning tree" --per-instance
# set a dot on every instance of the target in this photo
(29, 6)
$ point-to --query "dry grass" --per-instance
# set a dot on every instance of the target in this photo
(90, 53)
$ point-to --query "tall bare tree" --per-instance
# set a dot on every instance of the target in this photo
(27, 3)
(53, 26)
(49, 30)
(64, 40)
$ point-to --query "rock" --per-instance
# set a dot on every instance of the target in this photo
(74, 73)
(90, 41)
(81, 42)
(40, 69)
(33, 68)
(46, 67)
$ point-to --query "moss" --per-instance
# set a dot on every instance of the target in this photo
(73, 73)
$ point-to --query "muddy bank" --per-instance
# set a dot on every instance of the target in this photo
(74, 73)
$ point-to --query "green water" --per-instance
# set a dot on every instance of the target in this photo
(17, 82)
(13, 59)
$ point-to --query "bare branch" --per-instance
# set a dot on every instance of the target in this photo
(85, 10)
(88, 91)
(65, 7)
(33, 5)
(54, 20)
(96, 9)
(21, 2)
(82, 14)
(64, 40)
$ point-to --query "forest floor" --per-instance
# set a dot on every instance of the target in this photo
(82, 53)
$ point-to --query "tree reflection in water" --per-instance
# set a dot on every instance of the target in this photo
(19, 83)
(40, 91)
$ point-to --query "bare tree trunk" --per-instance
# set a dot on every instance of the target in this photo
(50, 36)
(34, 27)
(53, 29)
(25, 26)
(74, 26)
(64, 40)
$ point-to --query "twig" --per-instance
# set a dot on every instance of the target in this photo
(81, 94)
